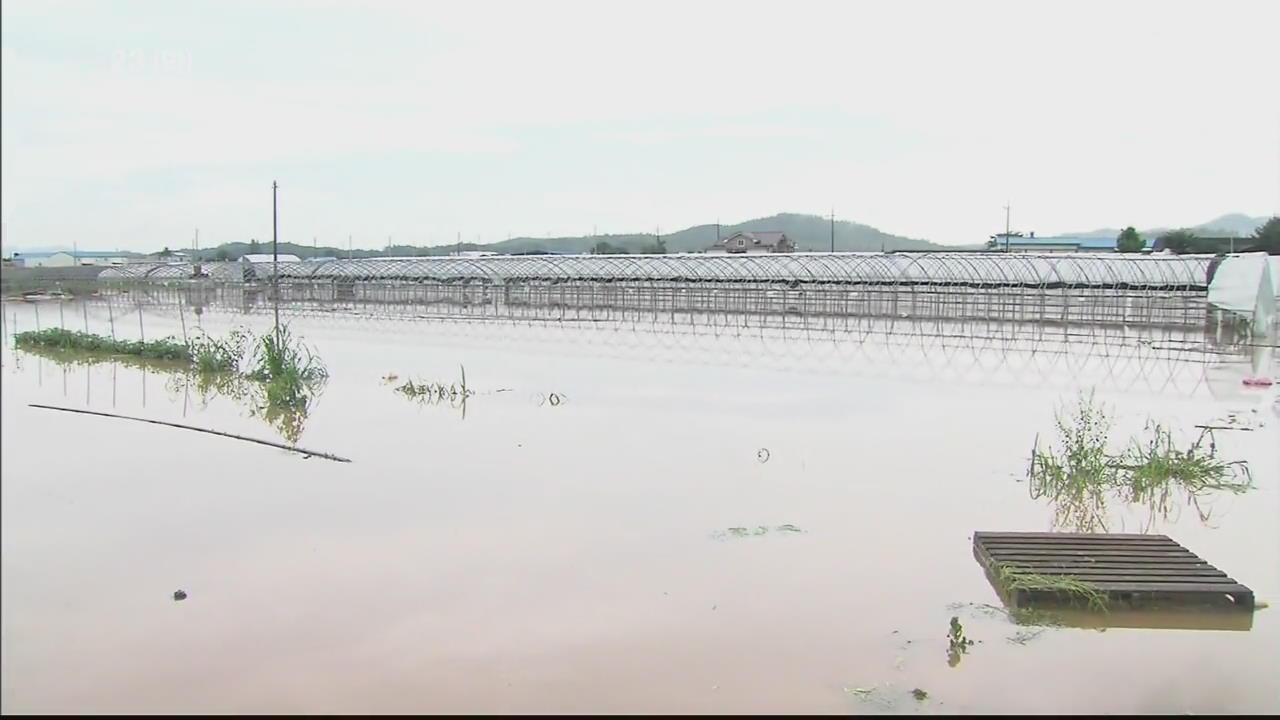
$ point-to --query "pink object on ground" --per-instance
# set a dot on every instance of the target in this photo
(1258, 381)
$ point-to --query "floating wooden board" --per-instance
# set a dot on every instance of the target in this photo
(1133, 571)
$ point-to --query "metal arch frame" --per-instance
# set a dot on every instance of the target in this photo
(978, 270)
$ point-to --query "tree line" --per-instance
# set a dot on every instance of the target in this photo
(1265, 239)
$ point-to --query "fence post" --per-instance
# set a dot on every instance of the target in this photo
(141, 333)
(37, 309)
(62, 322)
(85, 307)
(111, 317)
(182, 316)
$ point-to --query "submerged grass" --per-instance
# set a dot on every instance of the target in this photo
(432, 393)
(755, 532)
(1081, 477)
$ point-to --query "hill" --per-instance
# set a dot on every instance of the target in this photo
(1230, 225)
(810, 232)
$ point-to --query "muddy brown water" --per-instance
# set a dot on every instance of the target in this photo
(574, 558)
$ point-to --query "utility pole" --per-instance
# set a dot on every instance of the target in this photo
(348, 247)
(833, 229)
(1006, 228)
(717, 231)
(275, 254)
(458, 250)
(197, 245)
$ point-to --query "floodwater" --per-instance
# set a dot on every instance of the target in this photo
(576, 555)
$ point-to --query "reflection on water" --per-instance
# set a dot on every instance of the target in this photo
(285, 411)
(1031, 623)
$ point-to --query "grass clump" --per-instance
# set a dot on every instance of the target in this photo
(1150, 467)
(279, 356)
(1013, 579)
(287, 377)
(1081, 476)
(212, 355)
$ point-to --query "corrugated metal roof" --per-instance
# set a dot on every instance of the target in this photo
(758, 238)
(264, 257)
(1083, 242)
(77, 254)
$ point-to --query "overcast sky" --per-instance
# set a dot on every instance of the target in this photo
(129, 124)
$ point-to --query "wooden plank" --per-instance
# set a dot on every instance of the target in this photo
(1015, 548)
(1096, 540)
(1097, 581)
(1087, 560)
(1086, 556)
(1158, 587)
(1078, 538)
(1082, 540)
(1111, 565)
(1052, 550)
(1054, 536)
(1138, 570)
(1157, 554)
(1080, 544)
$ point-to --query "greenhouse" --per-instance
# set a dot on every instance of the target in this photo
(1111, 289)
(965, 269)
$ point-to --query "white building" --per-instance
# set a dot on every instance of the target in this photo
(754, 243)
(69, 259)
(266, 258)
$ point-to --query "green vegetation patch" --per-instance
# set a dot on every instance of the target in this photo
(1081, 476)
(72, 340)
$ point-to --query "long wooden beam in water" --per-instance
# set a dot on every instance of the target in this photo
(282, 446)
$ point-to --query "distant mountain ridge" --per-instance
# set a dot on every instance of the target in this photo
(809, 232)
(1229, 225)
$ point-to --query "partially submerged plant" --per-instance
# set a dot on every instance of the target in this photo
(957, 643)
(1080, 476)
(210, 354)
(757, 531)
(290, 376)
(277, 356)
(436, 392)
(1076, 474)
(1151, 467)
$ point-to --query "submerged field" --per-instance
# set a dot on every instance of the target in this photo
(607, 518)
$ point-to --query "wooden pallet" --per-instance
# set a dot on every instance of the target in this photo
(1132, 571)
